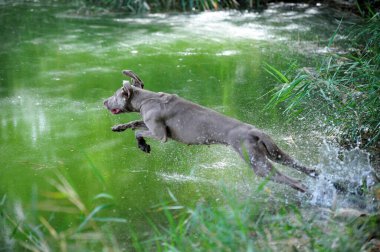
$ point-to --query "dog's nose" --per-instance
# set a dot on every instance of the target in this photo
(105, 103)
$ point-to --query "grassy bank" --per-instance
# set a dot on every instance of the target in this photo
(344, 89)
(232, 225)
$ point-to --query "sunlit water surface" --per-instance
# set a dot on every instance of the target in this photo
(56, 68)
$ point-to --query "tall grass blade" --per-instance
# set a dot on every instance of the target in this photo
(64, 187)
(275, 73)
(91, 215)
(172, 196)
(110, 219)
(332, 39)
(51, 230)
(94, 169)
(3, 200)
(103, 196)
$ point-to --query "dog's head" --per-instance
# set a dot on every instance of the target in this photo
(120, 102)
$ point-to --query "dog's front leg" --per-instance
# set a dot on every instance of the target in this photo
(135, 125)
(131, 125)
(156, 130)
(141, 143)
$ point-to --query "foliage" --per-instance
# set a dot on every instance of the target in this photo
(346, 87)
(234, 225)
(246, 226)
(140, 6)
(363, 8)
(37, 232)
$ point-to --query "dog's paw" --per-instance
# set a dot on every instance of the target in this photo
(141, 143)
(145, 148)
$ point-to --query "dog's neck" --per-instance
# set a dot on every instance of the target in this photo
(139, 98)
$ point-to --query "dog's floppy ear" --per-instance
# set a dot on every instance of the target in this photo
(136, 81)
(127, 89)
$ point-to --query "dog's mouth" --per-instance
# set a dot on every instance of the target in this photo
(115, 111)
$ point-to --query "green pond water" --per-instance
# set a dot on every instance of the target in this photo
(56, 68)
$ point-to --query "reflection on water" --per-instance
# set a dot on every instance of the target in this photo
(28, 118)
(56, 69)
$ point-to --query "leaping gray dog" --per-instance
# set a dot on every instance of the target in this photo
(169, 116)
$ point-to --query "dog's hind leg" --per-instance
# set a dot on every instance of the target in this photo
(255, 152)
(277, 155)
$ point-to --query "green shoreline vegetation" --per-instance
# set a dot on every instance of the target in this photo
(236, 225)
(345, 87)
(144, 6)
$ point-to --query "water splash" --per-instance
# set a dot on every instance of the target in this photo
(346, 175)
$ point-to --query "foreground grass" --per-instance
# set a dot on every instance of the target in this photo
(41, 229)
(246, 226)
(232, 225)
